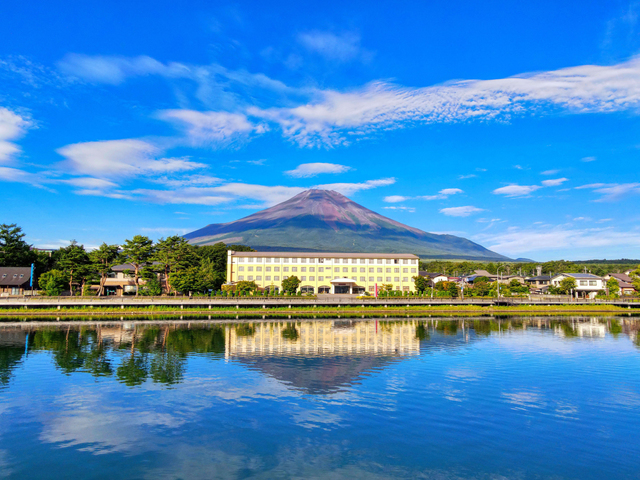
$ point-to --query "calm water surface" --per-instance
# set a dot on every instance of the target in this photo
(421, 398)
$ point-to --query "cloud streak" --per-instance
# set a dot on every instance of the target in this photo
(307, 170)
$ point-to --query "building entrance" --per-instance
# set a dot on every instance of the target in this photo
(342, 289)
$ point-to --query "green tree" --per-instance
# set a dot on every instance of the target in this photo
(102, 259)
(566, 285)
(613, 287)
(74, 261)
(52, 282)
(186, 280)
(14, 251)
(635, 275)
(453, 289)
(139, 253)
(291, 284)
(246, 287)
(421, 284)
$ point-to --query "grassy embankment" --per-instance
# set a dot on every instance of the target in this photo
(418, 310)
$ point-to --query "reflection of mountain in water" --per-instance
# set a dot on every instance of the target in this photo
(320, 357)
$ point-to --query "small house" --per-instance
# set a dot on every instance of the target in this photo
(14, 280)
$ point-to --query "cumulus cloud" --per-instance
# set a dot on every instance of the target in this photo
(516, 190)
(12, 127)
(461, 211)
(312, 169)
(408, 209)
(395, 199)
(211, 128)
(120, 158)
(554, 182)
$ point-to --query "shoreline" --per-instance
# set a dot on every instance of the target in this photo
(315, 311)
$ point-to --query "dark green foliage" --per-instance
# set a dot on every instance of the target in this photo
(53, 282)
(14, 251)
(421, 283)
(291, 284)
(290, 332)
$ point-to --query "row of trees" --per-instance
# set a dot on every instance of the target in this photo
(526, 268)
(183, 267)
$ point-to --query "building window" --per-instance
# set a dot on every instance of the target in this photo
(389, 261)
(592, 283)
(250, 260)
(388, 279)
(303, 260)
(362, 279)
(294, 260)
(379, 270)
(303, 269)
(371, 260)
(276, 269)
(354, 270)
(240, 278)
(312, 279)
(285, 269)
(396, 261)
(362, 260)
(258, 269)
(379, 279)
(321, 260)
(406, 289)
(413, 262)
(284, 278)
(259, 278)
(362, 270)
(320, 279)
(397, 287)
(285, 260)
(388, 270)
(268, 278)
(267, 269)
(396, 270)
(371, 279)
(312, 269)
(240, 260)
(276, 279)
(405, 261)
(405, 270)
(405, 279)
(413, 270)
(396, 279)
(250, 269)
(250, 277)
(379, 261)
(345, 269)
(583, 283)
(320, 269)
(304, 279)
(241, 269)
(371, 288)
(294, 269)
(268, 260)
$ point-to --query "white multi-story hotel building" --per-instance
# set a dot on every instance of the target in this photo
(324, 272)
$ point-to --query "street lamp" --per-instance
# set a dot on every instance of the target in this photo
(498, 279)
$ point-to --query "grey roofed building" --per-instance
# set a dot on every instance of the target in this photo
(14, 280)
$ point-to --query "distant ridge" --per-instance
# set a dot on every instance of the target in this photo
(327, 221)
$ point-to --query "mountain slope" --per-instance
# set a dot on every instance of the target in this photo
(326, 221)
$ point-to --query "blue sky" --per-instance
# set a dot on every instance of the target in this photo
(513, 125)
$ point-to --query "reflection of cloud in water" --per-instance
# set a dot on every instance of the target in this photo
(465, 374)
(524, 399)
(318, 418)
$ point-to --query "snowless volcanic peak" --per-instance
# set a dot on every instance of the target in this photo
(327, 221)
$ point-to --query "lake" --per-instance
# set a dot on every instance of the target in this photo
(443, 398)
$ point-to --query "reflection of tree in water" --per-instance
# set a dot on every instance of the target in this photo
(615, 328)
(245, 330)
(422, 332)
(290, 332)
(133, 370)
(10, 358)
(447, 327)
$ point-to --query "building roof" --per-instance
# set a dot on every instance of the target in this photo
(127, 266)
(14, 276)
(538, 278)
(622, 277)
(323, 255)
(590, 276)
(342, 280)
(431, 274)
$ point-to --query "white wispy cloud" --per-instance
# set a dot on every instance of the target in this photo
(342, 47)
(211, 128)
(588, 159)
(550, 172)
(461, 211)
(554, 182)
(307, 170)
(441, 195)
(348, 189)
(12, 127)
(611, 192)
(380, 105)
(516, 241)
(465, 177)
(408, 209)
(516, 190)
(120, 159)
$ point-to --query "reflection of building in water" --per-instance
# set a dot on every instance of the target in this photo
(323, 338)
(591, 329)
